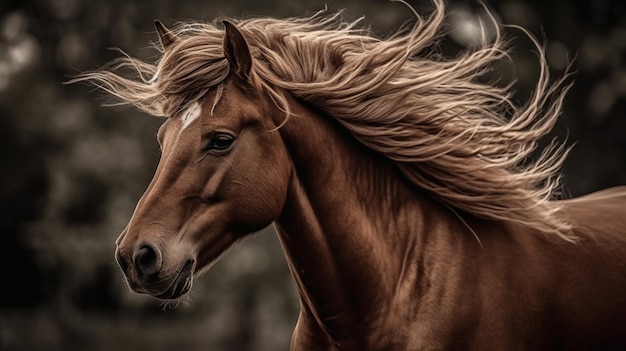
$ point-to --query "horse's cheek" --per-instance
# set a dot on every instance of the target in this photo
(271, 176)
(270, 193)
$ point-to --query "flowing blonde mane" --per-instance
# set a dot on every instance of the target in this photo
(463, 141)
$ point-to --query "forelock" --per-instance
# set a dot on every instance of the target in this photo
(190, 68)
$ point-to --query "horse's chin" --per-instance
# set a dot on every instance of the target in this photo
(177, 290)
(180, 285)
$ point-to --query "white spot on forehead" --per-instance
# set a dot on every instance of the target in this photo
(193, 112)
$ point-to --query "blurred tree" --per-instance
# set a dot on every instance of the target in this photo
(73, 171)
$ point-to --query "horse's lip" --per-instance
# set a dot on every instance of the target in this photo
(181, 284)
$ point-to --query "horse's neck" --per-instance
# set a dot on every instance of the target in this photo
(352, 230)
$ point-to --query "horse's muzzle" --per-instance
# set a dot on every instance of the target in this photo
(181, 284)
(147, 261)
(145, 273)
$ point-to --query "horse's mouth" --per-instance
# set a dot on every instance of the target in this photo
(181, 284)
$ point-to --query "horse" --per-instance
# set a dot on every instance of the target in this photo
(411, 205)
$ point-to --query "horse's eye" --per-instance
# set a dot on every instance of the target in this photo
(220, 142)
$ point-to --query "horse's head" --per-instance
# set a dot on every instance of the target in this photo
(223, 174)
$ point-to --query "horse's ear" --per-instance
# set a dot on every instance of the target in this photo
(236, 51)
(166, 37)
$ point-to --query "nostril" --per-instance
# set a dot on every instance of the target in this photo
(147, 260)
(121, 261)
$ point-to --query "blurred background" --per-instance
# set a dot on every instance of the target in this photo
(73, 170)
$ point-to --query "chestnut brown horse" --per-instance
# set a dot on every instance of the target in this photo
(403, 188)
